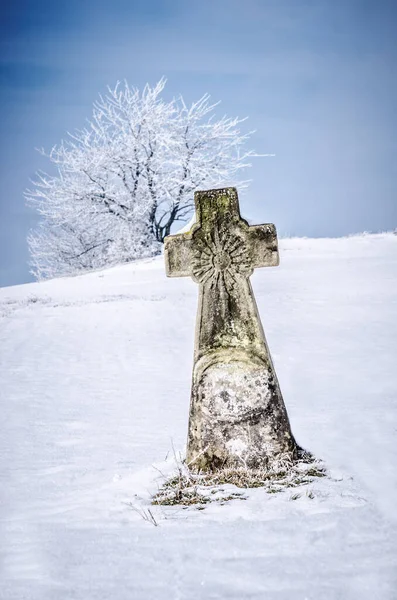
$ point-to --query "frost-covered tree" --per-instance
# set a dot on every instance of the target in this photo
(121, 183)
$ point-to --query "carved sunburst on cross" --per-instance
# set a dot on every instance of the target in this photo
(220, 258)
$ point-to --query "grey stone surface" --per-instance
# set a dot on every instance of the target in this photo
(237, 413)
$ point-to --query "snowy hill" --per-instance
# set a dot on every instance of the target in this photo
(95, 381)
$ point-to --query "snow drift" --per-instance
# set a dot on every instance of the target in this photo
(95, 382)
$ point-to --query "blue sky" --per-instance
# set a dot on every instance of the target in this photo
(317, 80)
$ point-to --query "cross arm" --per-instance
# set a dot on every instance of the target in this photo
(264, 247)
(177, 254)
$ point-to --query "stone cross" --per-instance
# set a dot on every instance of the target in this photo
(237, 413)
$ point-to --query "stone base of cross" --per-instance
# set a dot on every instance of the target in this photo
(237, 413)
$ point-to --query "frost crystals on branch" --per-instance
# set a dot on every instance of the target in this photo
(123, 182)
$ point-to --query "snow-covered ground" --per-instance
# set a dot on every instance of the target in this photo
(95, 381)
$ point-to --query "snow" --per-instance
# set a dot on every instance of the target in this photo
(95, 380)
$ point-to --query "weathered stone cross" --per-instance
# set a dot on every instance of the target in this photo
(237, 413)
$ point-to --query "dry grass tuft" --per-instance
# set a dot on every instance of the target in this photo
(188, 487)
